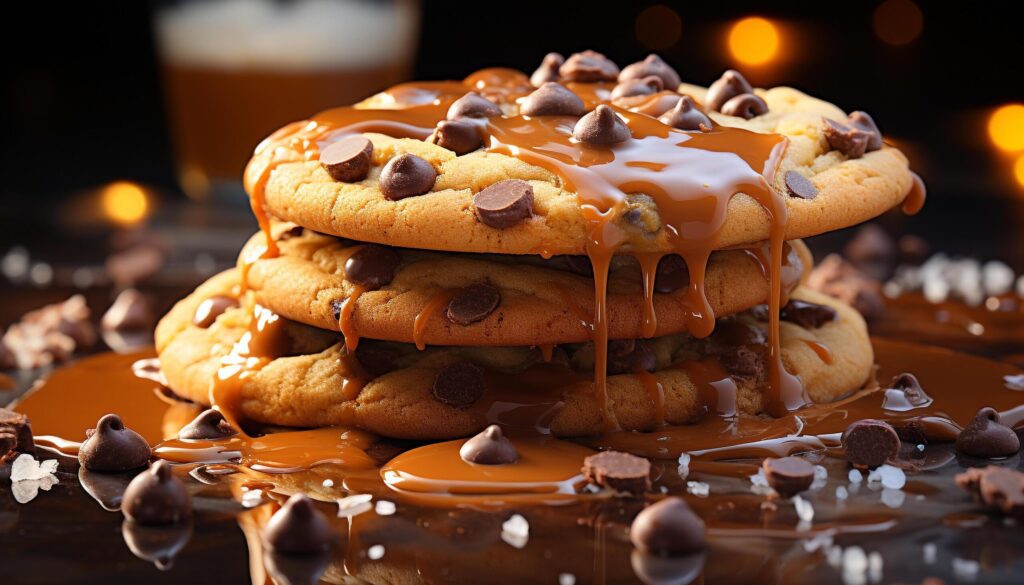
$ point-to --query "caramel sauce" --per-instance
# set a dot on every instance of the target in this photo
(824, 352)
(438, 302)
(649, 269)
(547, 351)
(655, 393)
(345, 324)
(915, 199)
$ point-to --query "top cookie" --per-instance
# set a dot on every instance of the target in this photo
(583, 164)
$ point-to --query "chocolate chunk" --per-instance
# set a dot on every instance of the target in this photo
(840, 279)
(348, 160)
(298, 528)
(211, 308)
(548, 70)
(800, 186)
(652, 65)
(672, 274)
(851, 141)
(629, 355)
(987, 438)
(997, 487)
(729, 85)
(668, 528)
(156, 497)
(209, 425)
(459, 385)
(130, 311)
(602, 126)
(473, 303)
(588, 66)
(746, 106)
(807, 315)
(473, 105)
(552, 99)
(490, 447)
(633, 87)
(113, 447)
(372, 266)
(869, 443)
(686, 116)
(156, 544)
(742, 362)
(871, 246)
(789, 475)
(504, 204)
(458, 136)
(15, 433)
(406, 175)
(622, 472)
(862, 121)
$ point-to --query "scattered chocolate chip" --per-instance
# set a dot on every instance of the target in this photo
(789, 475)
(800, 186)
(490, 447)
(869, 443)
(348, 160)
(156, 497)
(406, 175)
(16, 432)
(987, 438)
(209, 425)
(372, 266)
(504, 204)
(211, 308)
(552, 99)
(865, 123)
(871, 250)
(622, 472)
(851, 141)
(113, 447)
(602, 126)
(672, 274)
(743, 362)
(905, 393)
(458, 136)
(629, 355)
(473, 105)
(840, 279)
(459, 385)
(634, 87)
(298, 528)
(548, 70)
(668, 528)
(729, 85)
(156, 544)
(686, 116)
(746, 106)
(652, 65)
(996, 487)
(807, 315)
(588, 66)
(130, 311)
(473, 303)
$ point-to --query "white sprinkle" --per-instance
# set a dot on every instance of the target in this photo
(41, 274)
(698, 488)
(976, 329)
(515, 531)
(252, 498)
(855, 565)
(15, 263)
(759, 479)
(27, 489)
(996, 278)
(354, 505)
(930, 552)
(891, 477)
(375, 552)
(684, 465)
(385, 508)
(842, 493)
(855, 476)
(804, 509)
(875, 564)
(328, 483)
(834, 556)
(893, 498)
(567, 579)
(820, 477)
(26, 467)
(966, 569)
(1014, 382)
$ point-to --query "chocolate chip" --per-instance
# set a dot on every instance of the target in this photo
(504, 204)
(588, 66)
(869, 443)
(155, 497)
(372, 266)
(602, 126)
(743, 362)
(211, 308)
(905, 393)
(18, 430)
(629, 355)
(871, 246)
(406, 175)
(807, 315)
(996, 487)
(840, 279)
(686, 116)
(348, 160)
(746, 106)
(458, 136)
(789, 475)
(473, 105)
(473, 303)
(459, 385)
(672, 274)
(209, 425)
(865, 123)
(130, 311)
(800, 186)
(852, 142)
(622, 472)
(298, 528)
(552, 99)
(375, 360)
(987, 438)
(652, 65)
(633, 87)
(548, 70)
(668, 528)
(113, 447)
(729, 85)
(490, 447)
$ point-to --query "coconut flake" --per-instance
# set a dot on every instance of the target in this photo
(516, 531)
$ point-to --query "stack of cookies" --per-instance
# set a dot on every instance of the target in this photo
(581, 251)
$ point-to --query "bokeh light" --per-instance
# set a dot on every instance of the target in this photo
(1006, 127)
(1018, 170)
(124, 202)
(754, 41)
(658, 27)
(898, 22)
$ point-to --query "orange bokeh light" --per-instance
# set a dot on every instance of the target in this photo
(124, 202)
(754, 41)
(1018, 170)
(898, 22)
(1006, 127)
(658, 27)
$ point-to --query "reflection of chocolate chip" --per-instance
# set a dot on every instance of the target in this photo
(987, 438)
(869, 443)
(746, 106)
(602, 126)
(156, 497)
(668, 528)
(113, 447)
(348, 160)
(16, 427)
(156, 544)
(473, 105)
(459, 385)
(209, 425)
(672, 274)
(406, 175)
(789, 475)
(635, 87)
(731, 84)
(458, 136)
(504, 204)
(865, 123)
(621, 472)
(652, 65)
(473, 303)
(548, 70)
(372, 266)
(997, 487)
(800, 186)
(807, 315)
(629, 355)
(686, 116)
(298, 528)
(588, 66)
(852, 142)
(211, 308)
(490, 447)
(552, 99)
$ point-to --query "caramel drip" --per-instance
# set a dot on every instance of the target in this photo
(567, 299)
(547, 351)
(824, 352)
(655, 393)
(345, 324)
(355, 376)
(716, 390)
(916, 197)
(649, 270)
(436, 303)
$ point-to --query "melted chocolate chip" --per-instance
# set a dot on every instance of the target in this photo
(459, 385)
(729, 85)
(852, 142)
(588, 66)
(629, 355)
(156, 497)
(504, 204)
(548, 70)
(209, 425)
(375, 360)
(634, 87)
(458, 136)
(686, 116)
(622, 472)
(372, 266)
(473, 303)
(997, 487)
(113, 447)
(987, 438)
(602, 126)
(552, 99)
(473, 105)
(668, 528)
(672, 274)
(800, 186)
(298, 528)
(865, 123)
(348, 160)
(789, 475)
(869, 443)
(211, 308)
(406, 175)
(905, 393)
(746, 106)
(490, 447)
(807, 315)
(652, 65)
